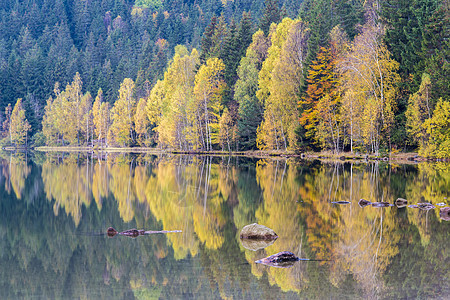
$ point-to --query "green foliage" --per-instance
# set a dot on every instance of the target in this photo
(151, 4)
(38, 139)
(250, 109)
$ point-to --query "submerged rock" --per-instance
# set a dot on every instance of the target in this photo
(132, 232)
(440, 204)
(413, 206)
(381, 204)
(258, 232)
(444, 213)
(255, 245)
(341, 202)
(400, 202)
(283, 259)
(425, 206)
(364, 202)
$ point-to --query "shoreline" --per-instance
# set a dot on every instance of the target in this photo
(409, 157)
(344, 156)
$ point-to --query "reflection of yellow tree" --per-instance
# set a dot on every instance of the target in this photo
(170, 201)
(208, 217)
(100, 182)
(68, 184)
(279, 212)
(188, 196)
(121, 186)
(362, 240)
(364, 246)
(430, 185)
(18, 171)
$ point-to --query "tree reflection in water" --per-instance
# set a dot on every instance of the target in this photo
(371, 252)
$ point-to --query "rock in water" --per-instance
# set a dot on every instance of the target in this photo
(283, 259)
(444, 213)
(400, 202)
(340, 202)
(256, 231)
(131, 232)
(381, 204)
(364, 202)
(425, 206)
(111, 232)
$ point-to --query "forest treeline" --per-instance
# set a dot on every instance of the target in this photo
(336, 75)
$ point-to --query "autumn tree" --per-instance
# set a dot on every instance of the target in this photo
(322, 85)
(438, 129)
(419, 109)
(19, 125)
(141, 122)
(227, 130)
(170, 106)
(208, 90)
(369, 78)
(279, 82)
(122, 127)
(86, 124)
(63, 119)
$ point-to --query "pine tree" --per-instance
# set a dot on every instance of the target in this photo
(207, 44)
(250, 110)
(272, 14)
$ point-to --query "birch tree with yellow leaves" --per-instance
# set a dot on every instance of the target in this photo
(279, 82)
(170, 100)
(369, 77)
(122, 128)
(209, 90)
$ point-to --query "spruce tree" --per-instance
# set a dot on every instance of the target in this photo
(272, 14)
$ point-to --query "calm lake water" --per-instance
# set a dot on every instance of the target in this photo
(56, 208)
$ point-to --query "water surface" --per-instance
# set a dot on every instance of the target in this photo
(56, 208)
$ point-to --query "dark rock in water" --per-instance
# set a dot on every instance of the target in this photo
(364, 202)
(400, 202)
(255, 245)
(425, 206)
(131, 232)
(283, 259)
(444, 213)
(413, 206)
(135, 233)
(381, 204)
(111, 232)
(341, 202)
(258, 232)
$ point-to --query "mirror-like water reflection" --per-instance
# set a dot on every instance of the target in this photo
(55, 210)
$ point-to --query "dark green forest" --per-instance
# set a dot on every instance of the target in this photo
(339, 75)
